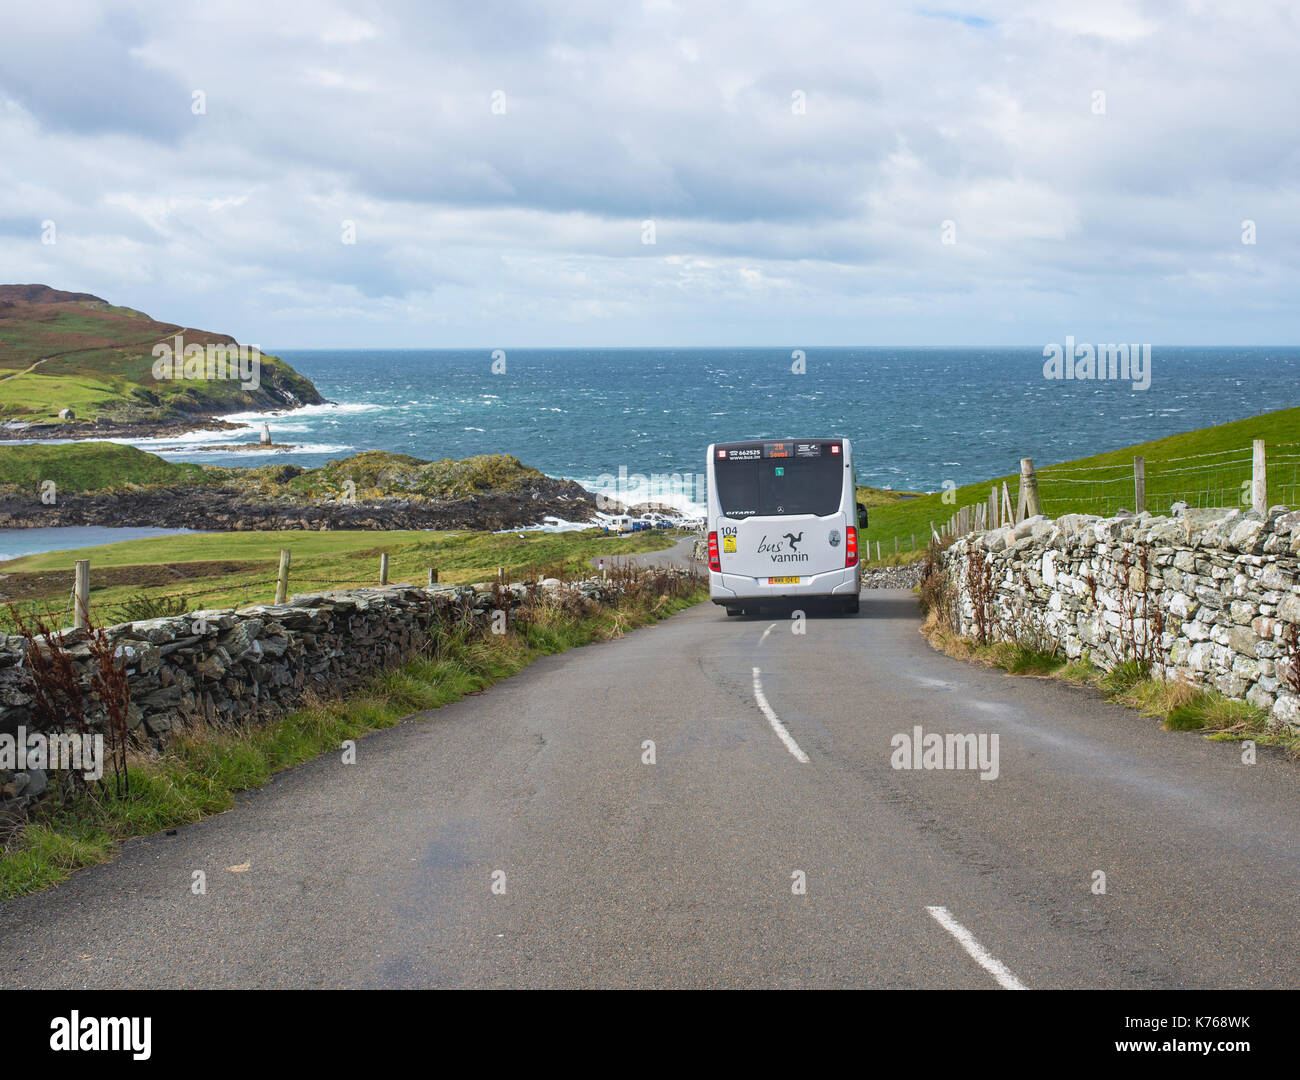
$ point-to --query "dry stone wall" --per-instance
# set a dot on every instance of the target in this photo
(1209, 596)
(232, 665)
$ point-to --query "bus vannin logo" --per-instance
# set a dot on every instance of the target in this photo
(834, 538)
(777, 555)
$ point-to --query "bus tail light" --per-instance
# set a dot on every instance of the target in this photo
(850, 547)
(715, 562)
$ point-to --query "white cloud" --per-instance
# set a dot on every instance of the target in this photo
(474, 224)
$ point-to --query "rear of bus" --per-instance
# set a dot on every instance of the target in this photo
(783, 524)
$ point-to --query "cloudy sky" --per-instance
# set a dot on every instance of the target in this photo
(815, 174)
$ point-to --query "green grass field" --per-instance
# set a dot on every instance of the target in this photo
(139, 578)
(1206, 467)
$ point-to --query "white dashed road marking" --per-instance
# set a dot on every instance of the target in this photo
(775, 721)
(977, 952)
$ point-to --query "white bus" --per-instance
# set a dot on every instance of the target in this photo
(783, 524)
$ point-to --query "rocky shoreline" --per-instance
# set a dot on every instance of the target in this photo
(221, 509)
(90, 430)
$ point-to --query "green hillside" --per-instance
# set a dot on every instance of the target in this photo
(1206, 467)
(89, 466)
(61, 350)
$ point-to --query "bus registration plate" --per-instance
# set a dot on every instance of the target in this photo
(783, 581)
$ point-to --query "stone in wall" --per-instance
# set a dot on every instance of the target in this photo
(1212, 597)
(231, 665)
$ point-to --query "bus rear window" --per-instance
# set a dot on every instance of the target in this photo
(774, 487)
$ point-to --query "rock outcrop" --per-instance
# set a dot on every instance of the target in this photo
(219, 509)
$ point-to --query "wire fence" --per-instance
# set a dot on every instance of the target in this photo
(115, 601)
(1237, 478)
(108, 604)
(1284, 474)
(1217, 479)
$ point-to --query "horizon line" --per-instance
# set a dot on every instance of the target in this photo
(575, 348)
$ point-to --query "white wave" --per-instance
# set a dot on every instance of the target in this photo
(254, 450)
(201, 435)
(552, 525)
(680, 501)
(329, 409)
(150, 444)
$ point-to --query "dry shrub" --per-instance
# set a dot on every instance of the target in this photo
(983, 594)
(59, 701)
(938, 597)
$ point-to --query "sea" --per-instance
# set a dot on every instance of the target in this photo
(918, 417)
(15, 543)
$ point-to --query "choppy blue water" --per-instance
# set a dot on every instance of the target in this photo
(917, 416)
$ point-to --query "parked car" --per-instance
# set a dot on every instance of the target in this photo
(619, 524)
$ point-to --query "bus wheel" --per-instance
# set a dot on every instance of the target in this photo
(851, 606)
(735, 610)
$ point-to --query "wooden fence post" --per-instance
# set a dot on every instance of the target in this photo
(383, 568)
(993, 508)
(282, 578)
(81, 595)
(1259, 480)
(895, 545)
(1006, 516)
(1139, 484)
(433, 576)
(1028, 505)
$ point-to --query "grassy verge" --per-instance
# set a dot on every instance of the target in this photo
(203, 768)
(1177, 705)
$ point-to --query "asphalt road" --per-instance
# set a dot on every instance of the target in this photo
(678, 555)
(679, 873)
